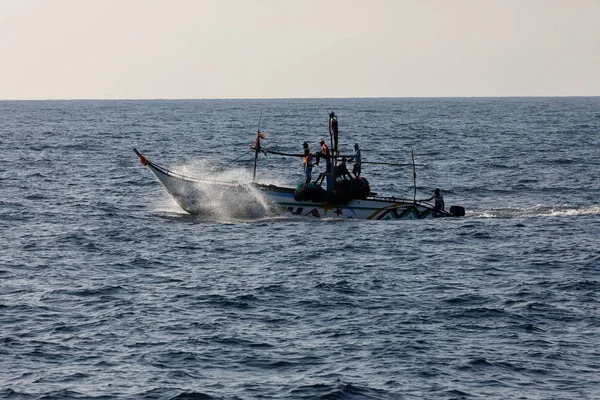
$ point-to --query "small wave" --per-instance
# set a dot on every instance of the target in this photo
(174, 394)
(235, 302)
(478, 313)
(9, 393)
(338, 390)
(342, 286)
(467, 298)
(531, 328)
(591, 286)
(193, 396)
(91, 292)
(66, 394)
(35, 196)
(457, 394)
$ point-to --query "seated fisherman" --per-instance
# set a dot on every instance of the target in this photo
(324, 153)
(342, 171)
(438, 200)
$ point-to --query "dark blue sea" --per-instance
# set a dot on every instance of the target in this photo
(108, 290)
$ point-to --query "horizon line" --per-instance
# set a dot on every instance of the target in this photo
(297, 98)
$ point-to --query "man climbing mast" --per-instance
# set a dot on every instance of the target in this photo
(333, 135)
(333, 132)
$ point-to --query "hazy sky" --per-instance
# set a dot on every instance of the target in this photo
(96, 49)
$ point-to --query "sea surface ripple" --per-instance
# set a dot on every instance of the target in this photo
(108, 290)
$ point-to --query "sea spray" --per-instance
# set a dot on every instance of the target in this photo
(237, 199)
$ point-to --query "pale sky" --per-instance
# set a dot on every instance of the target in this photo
(201, 49)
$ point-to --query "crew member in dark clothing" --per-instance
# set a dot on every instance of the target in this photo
(324, 153)
(342, 171)
(333, 131)
(357, 161)
(306, 151)
(438, 200)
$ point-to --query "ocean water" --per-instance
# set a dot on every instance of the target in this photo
(109, 291)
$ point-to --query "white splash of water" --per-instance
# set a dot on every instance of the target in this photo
(569, 211)
(224, 194)
(166, 204)
(536, 211)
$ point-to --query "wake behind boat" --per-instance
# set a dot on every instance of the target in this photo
(343, 198)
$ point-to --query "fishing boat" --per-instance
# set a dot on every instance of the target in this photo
(349, 199)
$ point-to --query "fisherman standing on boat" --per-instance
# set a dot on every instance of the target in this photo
(333, 131)
(324, 153)
(308, 165)
(305, 145)
(438, 199)
(357, 161)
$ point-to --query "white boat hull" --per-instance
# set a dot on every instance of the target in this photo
(355, 209)
(204, 197)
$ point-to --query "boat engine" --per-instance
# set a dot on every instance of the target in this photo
(457, 211)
